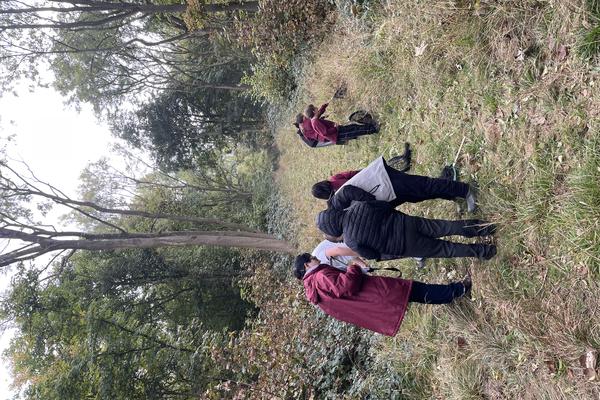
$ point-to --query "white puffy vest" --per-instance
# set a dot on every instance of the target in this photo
(375, 180)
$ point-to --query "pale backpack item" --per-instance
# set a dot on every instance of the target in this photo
(375, 180)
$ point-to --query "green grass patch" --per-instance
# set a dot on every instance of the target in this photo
(531, 127)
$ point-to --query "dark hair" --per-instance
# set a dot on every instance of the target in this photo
(299, 120)
(322, 190)
(310, 111)
(299, 269)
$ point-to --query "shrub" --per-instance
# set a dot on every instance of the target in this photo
(276, 35)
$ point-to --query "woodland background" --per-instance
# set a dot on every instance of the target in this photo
(138, 302)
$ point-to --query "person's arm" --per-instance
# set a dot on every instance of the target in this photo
(360, 262)
(343, 283)
(344, 197)
(321, 111)
(340, 251)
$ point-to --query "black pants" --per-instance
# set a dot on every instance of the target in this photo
(421, 238)
(416, 188)
(352, 131)
(435, 294)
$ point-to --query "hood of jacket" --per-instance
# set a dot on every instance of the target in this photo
(330, 222)
(309, 284)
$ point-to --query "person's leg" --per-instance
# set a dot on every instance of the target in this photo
(352, 131)
(436, 228)
(416, 188)
(422, 246)
(419, 239)
(435, 294)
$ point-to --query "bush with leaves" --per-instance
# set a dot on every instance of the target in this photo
(277, 34)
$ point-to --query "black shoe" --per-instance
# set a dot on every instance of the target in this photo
(395, 160)
(468, 285)
(402, 163)
(489, 251)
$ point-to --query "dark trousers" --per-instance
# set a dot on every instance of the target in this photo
(352, 131)
(435, 294)
(421, 238)
(416, 188)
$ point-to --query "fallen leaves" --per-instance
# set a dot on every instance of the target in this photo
(561, 53)
(538, 120)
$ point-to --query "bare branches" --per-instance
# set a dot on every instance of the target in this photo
(36, 239)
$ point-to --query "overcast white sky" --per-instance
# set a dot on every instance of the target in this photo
(57, 142)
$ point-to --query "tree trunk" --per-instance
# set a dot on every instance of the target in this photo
(195, 238)
(43, 242)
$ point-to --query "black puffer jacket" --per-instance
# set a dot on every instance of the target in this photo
(371, 228)
(344, 197)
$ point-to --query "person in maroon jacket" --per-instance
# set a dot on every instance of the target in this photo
(307, 134)
(329, 130)
(316, 131)
(377, 303)
(407, 188)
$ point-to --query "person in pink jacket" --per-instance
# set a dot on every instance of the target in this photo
(377, 303)
(317, 131)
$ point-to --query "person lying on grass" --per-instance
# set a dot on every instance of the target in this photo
(377, 303)
(379, 181)
(375, 230)
(316, 130)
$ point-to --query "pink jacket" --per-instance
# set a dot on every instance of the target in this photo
(377, 303)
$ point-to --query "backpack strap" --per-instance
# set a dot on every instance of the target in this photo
(371, 269)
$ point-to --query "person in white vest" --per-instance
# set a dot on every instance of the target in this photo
(379, 181)
(336, 254)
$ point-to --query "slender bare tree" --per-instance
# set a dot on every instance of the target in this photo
(26, 238)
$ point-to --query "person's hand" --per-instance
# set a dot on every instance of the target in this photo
(360, 262)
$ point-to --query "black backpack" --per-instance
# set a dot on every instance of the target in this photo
(361, 116)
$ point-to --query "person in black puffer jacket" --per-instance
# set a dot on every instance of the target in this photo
(375, 230)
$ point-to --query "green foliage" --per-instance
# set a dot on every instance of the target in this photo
(180, 124)
(308, 355)
(125, 325)
(269, 81)
(589, 43)
(589, 40)
(280, 34)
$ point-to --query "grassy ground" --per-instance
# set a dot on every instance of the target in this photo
(520, 81)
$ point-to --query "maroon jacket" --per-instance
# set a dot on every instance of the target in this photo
(325, 129)
(308, 131)
(338, 180)
(377, 303)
